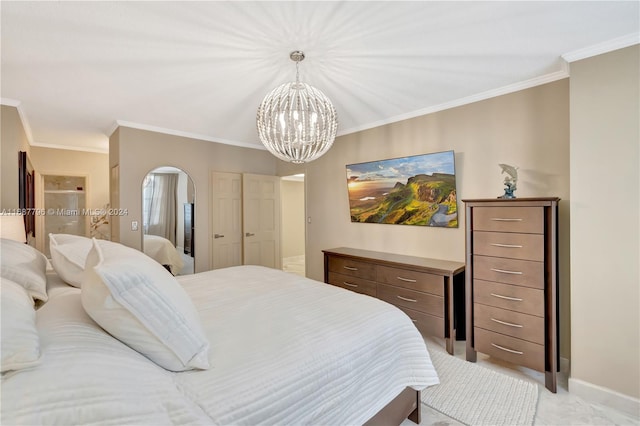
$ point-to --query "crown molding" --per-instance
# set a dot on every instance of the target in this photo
(27, 131)
(114, 126)
(9, 102)
(70, 147)
(139, 126)
(23, 117)
(527, 84)
(600, 48)
(299, 177)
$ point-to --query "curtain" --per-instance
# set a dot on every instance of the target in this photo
(160, 205)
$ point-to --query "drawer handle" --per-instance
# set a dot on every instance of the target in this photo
(507, 350)
(409, 280)
(406, 299)
(507, 323)
(515, 299)
(349, 284)
(350, 268)
(506, 245)
(504, 219)
(506, 272)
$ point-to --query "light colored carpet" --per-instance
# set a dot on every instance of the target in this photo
(475, 395)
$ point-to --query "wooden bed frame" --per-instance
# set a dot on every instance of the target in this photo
(405, 405)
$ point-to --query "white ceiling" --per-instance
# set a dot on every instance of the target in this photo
(78, 69)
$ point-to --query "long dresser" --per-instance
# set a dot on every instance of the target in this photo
(429, 291)
(512, 282)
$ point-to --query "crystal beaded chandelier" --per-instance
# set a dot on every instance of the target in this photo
(297, 122)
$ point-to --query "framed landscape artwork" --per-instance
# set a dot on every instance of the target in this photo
(417, 190)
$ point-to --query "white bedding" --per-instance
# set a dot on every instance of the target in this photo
(56, 285)
(284, 350)
(162, 251)
(88, 377)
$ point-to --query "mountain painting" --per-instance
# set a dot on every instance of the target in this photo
(417, 190)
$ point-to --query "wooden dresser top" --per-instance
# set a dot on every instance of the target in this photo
(444, 267)
(522, 202)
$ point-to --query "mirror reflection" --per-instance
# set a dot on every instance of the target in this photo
(168, 196)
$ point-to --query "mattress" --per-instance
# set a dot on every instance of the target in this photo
(284, 350)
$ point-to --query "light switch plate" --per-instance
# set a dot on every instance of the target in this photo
(134, 225)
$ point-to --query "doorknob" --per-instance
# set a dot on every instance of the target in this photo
(218, 235)
(249, 234)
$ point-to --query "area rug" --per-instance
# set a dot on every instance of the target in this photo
(476, 395)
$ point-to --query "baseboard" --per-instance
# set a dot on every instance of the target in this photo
(604, 396)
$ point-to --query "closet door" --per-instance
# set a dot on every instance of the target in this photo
(226, 220)
(261, 220)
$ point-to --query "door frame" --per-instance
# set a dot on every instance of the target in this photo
(39, 194)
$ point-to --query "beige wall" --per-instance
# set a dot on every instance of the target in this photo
(48, 161)
(95, 166)
(13, 139)
(529, 129)
(293, 219)
(63, 162)
(605, 229)
(137, 152)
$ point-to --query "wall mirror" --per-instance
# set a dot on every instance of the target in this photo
(168, 196)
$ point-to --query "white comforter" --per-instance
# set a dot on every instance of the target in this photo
(162, 251)
(285, 350)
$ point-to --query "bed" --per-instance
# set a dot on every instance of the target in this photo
(164, 252)
(280, 349)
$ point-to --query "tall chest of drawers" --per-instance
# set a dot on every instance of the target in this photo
(512, 282)
(423, 288)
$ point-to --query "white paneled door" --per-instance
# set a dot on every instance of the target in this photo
(226, 219)
(245, 220)
(261, 220)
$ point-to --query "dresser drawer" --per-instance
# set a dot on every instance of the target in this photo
(516, 324)
(511, 271)
(353, 268)
(423, 302)
(514, 298)
(427, 324)
(353, 283)
(510, 349)
(413, 280)
(528, 220)
(510, 245)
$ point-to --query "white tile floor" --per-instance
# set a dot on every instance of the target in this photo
(294, 264)
(559, 409)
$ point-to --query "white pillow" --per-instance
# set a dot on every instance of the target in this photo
(20, 343)
(139, 302)
(68, 256)
(24, 265)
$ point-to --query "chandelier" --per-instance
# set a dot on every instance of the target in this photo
(297, 122)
